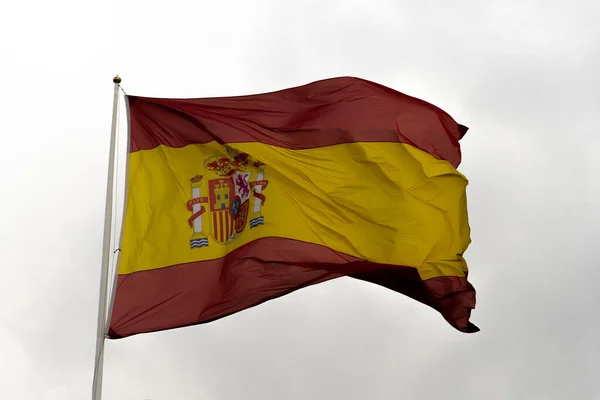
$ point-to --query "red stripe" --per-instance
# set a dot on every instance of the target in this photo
(215, 226)
(221, 233)
(228, 225)
(263, 270)
(323, 113)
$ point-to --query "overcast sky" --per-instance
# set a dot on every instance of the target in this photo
(523, 75)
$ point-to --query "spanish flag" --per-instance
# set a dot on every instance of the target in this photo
(234, 201)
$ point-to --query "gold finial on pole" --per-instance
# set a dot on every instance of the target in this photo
(117, 79)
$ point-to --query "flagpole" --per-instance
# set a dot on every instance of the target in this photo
(108, 211)
(115, 277)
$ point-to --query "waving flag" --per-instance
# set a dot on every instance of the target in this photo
(234, 201)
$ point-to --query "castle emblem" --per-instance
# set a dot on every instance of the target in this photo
(225, 197)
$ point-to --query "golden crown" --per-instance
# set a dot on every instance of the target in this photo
(196, 178)
(224, 166)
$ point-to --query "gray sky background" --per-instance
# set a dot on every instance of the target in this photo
(523, 75)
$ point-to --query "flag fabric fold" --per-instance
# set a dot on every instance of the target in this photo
(234, 201)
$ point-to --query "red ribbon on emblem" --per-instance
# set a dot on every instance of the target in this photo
(202, 210)
(262, 184)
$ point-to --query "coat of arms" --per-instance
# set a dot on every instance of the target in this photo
(225, 197)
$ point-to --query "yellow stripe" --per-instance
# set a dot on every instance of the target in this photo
(383, 202)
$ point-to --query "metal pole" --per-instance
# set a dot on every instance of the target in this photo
(115, 277)
(99, 358)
